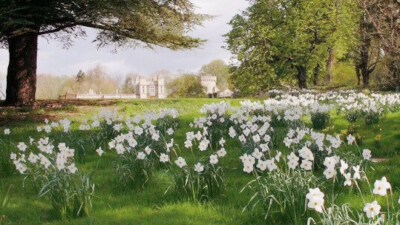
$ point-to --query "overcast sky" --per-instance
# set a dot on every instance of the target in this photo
(84, 55)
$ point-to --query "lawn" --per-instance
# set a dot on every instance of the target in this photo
(157, 202)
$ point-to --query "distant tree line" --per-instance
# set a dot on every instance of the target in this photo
(96, 79)
(100, 81)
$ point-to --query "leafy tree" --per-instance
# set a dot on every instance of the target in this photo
(121, 22)
(187, 86)
(344, 20)
(366, 50)
(80, 76)
(219, 69)
(274, 40)
(384, 16)
(128, 86)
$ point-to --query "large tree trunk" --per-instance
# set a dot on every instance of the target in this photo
(21, 74)
(302, 77)
(329, 63)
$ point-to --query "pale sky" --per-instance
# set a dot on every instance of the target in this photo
(84, 54)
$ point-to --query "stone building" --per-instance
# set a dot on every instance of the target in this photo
(150, 87)
(209, 83)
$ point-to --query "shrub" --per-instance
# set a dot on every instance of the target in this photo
(56, 177)
(282, 195)
(139, 149)
(320, 120)
(372, 118)
(352, 116)
(320, 115)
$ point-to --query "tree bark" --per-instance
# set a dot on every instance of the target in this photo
(21, 74)
(394, 69)
(316, 75)
(302, 77)
(364, 61)
(329, 63)
(358, 72)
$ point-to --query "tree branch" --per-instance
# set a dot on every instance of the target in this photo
(57, 29)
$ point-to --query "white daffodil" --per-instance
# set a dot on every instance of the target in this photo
(357, 174)
(372, 209)
(306, 165)
(315, 199)
(330, 172)
(213, 159)
(347, 182)
(381, 187)
(262, 165)
(22, 146)
(181, 162)
(198, 167)
(141, 155)
(367, 154)
(100, 151)
(7, 131)
(164, 158)
(221, 153)
(248, 167)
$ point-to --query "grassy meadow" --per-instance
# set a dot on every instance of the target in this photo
(157, 202)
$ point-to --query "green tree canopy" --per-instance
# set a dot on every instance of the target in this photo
(219, 69)
(186, 86)
(278, 41)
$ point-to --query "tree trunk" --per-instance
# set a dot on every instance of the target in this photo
(302, 77)
(365, 61)
(358, 69)
(329, 64)
(394, 69)
(316, 75)
(365, 79)
(21, 74)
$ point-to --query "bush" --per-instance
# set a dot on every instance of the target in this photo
(56, 177)
(138, 150)
(320, 120)
(372, 118)
(352, 116)
(283, 195)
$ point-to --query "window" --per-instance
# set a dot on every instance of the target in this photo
(152, 90)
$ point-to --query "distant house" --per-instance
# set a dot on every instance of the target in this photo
(225, 94)
(209, 83)
(150, 87)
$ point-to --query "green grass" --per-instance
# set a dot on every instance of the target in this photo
(153, 205)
